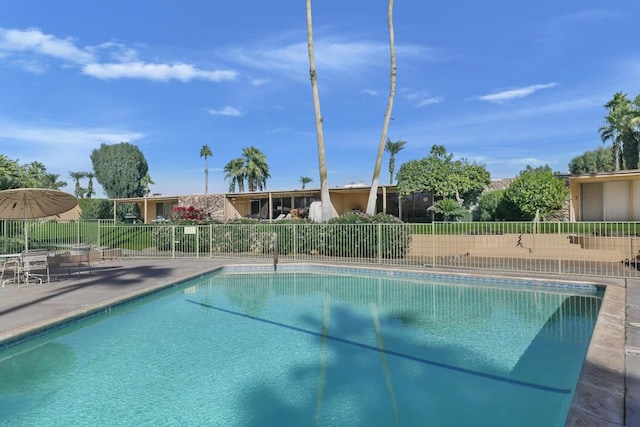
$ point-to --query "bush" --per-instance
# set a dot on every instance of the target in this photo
(95, 209)
(342, 238)
(190, 215)
(487, 209)
(337, 238)
(11, 245)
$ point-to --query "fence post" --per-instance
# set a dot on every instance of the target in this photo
(433, 245)
(173, 241)
(210, 240)
(379, 231)
(558, 235)
(294, 249)
(198, 241)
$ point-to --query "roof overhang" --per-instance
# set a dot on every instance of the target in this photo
(606, 176)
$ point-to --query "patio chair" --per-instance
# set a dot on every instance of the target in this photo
(10, 265)
(35, 265)
(78, 257)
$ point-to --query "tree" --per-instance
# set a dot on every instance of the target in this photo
(488, 208)
(594, 161)
(448, 208)
(90, 191)
(256, 168)
(235, 174)
(10, 173)
(617, 126)
(146, 181)
(304, 180)
(33, 174)
(95, 209)
(393, 148)
(441, 176)
(373, 191)
(50, 180)
(326, 210)
(537, 190)
(76, 177)
(119, 168)
(205, 152)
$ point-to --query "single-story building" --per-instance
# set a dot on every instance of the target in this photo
(610, 196)
(270, 205)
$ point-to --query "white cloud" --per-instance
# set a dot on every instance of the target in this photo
(227, 111)
(63, 138)
(125, 65)
(370, 92)
(260, 81)
(331, 56)
(582, 17)
(421, 99)
(117, 52)
(49, 144)
(161, 72)
(35, 41)
(518, 161)
(515, 93)
(429, 101)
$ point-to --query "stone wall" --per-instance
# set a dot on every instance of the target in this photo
(210, 203)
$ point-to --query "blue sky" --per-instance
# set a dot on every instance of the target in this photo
(504, 83)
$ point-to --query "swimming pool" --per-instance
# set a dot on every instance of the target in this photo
(310, 345)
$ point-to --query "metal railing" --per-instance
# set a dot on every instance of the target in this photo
(606, 249)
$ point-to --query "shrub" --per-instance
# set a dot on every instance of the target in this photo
(11, 245)
(95, 208)
(342, 238)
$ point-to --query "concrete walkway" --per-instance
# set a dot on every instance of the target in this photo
(608, 393)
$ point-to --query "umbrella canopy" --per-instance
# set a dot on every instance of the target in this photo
(34, 203)
(28, 203)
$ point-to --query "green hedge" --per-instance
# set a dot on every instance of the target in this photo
(337, 238)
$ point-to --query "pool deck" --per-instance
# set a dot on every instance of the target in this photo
(608, 393)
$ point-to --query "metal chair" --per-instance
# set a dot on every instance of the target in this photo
(33, 262)
(10, 264)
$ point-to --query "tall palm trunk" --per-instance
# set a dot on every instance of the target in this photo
(322, 163)
(206, 176)
(373, 193)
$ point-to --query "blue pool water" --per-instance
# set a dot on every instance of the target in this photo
(311, 347)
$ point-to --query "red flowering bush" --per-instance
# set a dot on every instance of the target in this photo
(190, 214)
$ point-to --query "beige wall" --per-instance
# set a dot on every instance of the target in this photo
(605, 197)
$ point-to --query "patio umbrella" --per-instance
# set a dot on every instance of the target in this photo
(29, 203)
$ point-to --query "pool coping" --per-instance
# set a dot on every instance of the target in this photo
(600, 393)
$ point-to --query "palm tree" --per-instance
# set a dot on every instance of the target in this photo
(205, 152)
(50, 180)
(304, 180)
(90, 190)
(235, 174)
(256, 168)
(393, 148)
(76, 177)
(146, 181)
(448, 208)
(326, 211)
(35, 171)
(616, 123)
(373, 192)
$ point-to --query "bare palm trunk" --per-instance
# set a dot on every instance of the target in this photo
(322, 163)
(373, 193)
(206, 177)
